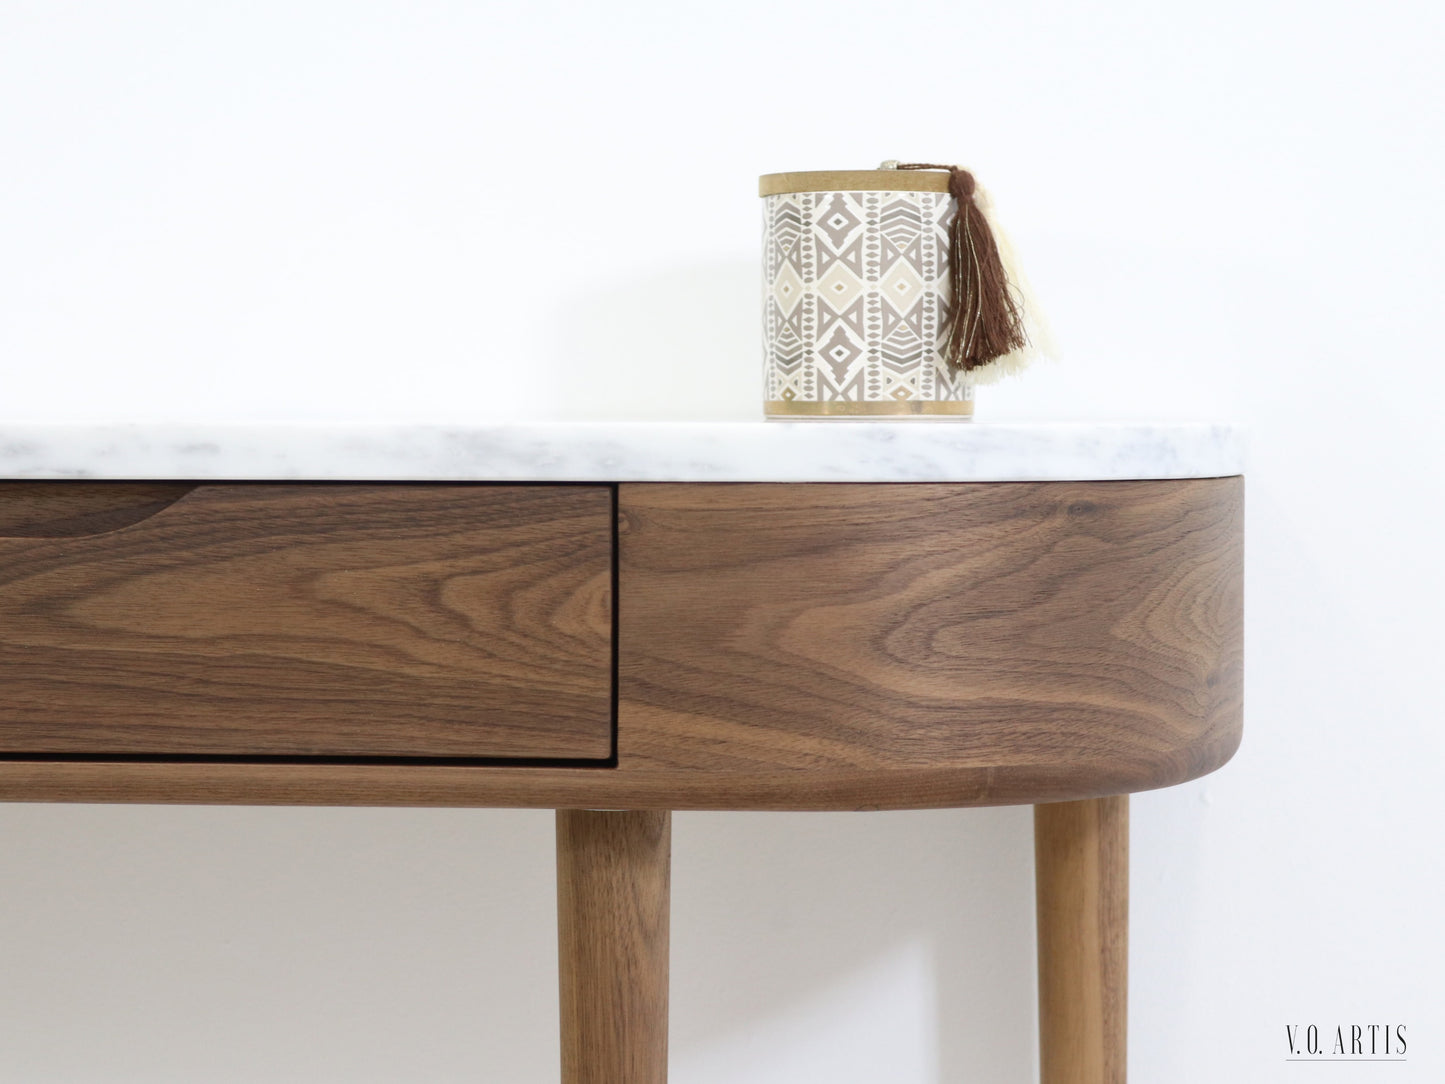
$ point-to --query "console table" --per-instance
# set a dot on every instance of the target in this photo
(620, 620)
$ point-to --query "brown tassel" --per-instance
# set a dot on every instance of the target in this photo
(985, 322)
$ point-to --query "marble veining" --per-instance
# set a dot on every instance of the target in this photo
(913, 451)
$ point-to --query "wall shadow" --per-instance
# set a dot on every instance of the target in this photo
(772, 910)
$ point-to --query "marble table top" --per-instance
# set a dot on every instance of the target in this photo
(826, 451)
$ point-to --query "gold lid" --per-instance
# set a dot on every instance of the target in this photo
(854, 180)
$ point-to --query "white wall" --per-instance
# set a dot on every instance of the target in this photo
(471, 211)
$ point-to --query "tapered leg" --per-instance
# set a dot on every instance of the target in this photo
(613, 877)
(1081, 852)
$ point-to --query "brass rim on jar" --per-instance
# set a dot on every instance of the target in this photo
(853, 180)
(905, 408)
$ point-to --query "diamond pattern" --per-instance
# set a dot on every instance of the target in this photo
(839, 287)
(902, 287)
(856, 288)
(839, 353)
(836, 220)
(788, 289)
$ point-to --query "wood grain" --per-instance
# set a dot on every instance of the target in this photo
(77, 509)
(859, 647)
(613, 881)
(1081, 854)
(341, 620)
(1062, 636)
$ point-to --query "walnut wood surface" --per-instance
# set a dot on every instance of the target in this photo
(1081, 854)
(1053, 639)
(342, 620)
(801, 646)
(613, 880)
(76, 509)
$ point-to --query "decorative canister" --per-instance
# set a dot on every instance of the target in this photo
(861, 269)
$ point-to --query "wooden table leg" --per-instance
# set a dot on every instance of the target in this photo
(1081, 852)
(613, 878)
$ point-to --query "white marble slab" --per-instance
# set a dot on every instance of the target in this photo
(845, 451)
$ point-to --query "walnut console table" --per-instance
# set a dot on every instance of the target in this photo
(616, 621)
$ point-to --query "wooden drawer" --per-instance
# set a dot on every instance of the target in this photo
(358, 620)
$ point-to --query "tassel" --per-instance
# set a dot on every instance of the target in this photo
(986, 324)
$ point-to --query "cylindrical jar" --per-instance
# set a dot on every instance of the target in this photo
(856, 295)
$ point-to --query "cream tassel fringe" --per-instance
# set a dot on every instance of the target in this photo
(1040, 335)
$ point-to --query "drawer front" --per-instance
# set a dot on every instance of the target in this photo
(300, 620)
